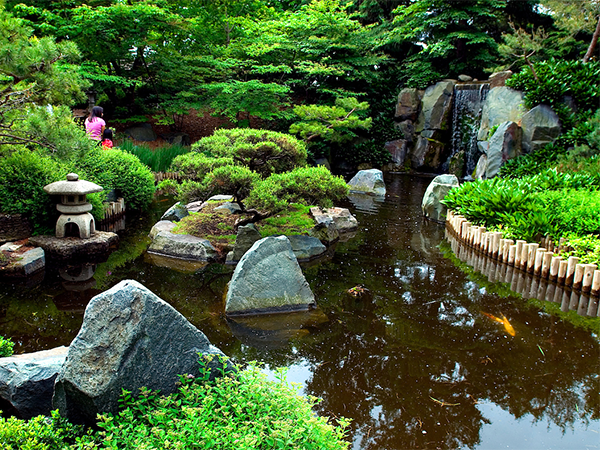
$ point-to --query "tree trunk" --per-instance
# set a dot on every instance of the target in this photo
(592, 46)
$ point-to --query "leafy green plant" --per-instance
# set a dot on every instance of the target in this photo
(39, 433)
(6, 347)
(195, 166)
(262, 151)
(158, 159)
(243, 411)
(296, 219)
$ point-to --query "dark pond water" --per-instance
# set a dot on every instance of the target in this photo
(414, 365)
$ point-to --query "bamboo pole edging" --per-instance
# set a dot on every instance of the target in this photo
(539, 259)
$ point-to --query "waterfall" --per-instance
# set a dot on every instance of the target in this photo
(466, 118)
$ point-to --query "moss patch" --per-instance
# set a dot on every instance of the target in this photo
(295, 220)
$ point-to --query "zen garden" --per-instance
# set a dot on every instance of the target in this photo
(299, 224)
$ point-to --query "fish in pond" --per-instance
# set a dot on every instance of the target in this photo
(504, 321)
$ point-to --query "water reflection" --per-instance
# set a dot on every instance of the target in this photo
(414, 365)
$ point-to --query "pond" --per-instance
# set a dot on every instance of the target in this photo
(414, 364)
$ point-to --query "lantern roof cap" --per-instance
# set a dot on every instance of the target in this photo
(72, 186)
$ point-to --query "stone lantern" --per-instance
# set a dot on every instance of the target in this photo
(75, 218)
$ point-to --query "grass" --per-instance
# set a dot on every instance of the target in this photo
(295, 220)
(158, 159)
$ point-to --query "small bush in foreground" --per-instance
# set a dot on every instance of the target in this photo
(6, 347)
(240, 412)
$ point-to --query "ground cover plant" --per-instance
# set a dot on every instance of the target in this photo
(157, 159)
(237, 411)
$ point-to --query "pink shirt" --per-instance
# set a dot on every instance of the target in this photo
(94, 129)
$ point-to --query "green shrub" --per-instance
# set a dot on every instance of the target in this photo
(39, 433)
(158, 159)
(23, 175)
(305, 185)
(195, 165)
(240, 412)
(234, 180)
(262, 151)
(115, 169)
(6, 347)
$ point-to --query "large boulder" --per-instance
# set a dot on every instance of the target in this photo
(175, 213)
(182, 246)
(505, 144)
(326, 231)
(541, 126)
(344, 221)
(498, 79)
(162, 225)
(73, 249)
(408, 105)
(306, 248)
(502, 104)
(129, 339)
(27, 381)
(368, 181)
(268, 279)
(23, 264)
(398, 150)
(428, 152)
(141, 132)
(432, 199)
(436, 106)
(247, 235)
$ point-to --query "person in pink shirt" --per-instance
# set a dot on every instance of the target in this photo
(95, 124)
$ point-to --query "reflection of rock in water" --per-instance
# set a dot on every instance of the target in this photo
(365, 202)
(275, 330)
(178, 264)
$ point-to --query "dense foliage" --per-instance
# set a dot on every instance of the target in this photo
(245, 411)
(6, 347)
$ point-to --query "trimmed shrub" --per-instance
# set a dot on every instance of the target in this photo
(245, 412)
(305, 185)
(195, 165)
(115, 169)
(23, 175)
(262, 151)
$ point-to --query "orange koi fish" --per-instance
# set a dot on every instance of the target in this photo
(504, 321)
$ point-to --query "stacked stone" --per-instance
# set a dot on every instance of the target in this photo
(529, 257)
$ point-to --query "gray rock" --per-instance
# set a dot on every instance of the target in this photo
(428, 152)
(177, 138)
(305, 247)
(541, 126)
(25, 264)
(142, 132)
(436, 107)
(343, 219)
(398, 150)
(325, 231)
(502, 104)
(465, 78)
(498, 79)
(163, 225)
(505, 144)
(368, 181)
(407, 128)
(436, 191)
(175, 213)
(182, 246)
(247, 235)
(130, 338)
(481, 167)
(267, 279)
(195, 206)
(27, 381)
(229, 208)
(220, 198)
(409, 102)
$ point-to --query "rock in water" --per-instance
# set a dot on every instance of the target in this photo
(268, 279)
(129, 338)
(432, 205)
(368, 181)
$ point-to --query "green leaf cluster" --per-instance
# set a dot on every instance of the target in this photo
(6, 347)
(243, 411)
(158, 159)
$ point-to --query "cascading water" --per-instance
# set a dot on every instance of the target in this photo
(466, 118)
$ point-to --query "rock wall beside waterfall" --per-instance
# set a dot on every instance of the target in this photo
(468, 129)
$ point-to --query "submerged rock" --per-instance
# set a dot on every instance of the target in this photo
(130, 338)
(306, 248)
(27, 381)
(182, 246)
(268, 279)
